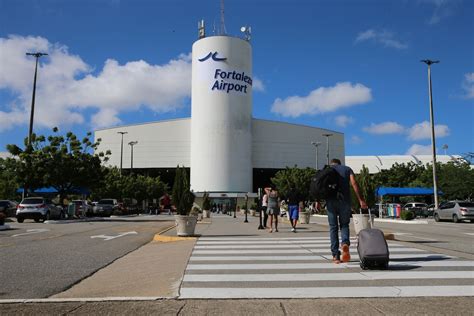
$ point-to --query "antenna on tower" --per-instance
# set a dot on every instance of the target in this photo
(201, 29)
(222, 30)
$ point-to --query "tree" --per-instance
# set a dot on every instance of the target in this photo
(182, 197)
(299, 178)
(64, 163)
(367, 186)
(8, 183)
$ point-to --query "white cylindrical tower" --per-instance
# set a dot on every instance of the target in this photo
(221, 115)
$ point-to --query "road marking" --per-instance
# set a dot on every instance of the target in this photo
(258, 258)
(363, 276)
(105, 237)
(470, 234)
(328, 292)
(309, 246)
(285, 251)
(32, 231)
(235, 240)
(411, 235)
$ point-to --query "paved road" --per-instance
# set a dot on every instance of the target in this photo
(38, 260)
(286, 265)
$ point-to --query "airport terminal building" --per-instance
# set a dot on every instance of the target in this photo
(225, 149)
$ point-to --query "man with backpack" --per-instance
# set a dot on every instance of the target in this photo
(334, 187)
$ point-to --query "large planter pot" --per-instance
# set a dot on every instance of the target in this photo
(185, 225)
(304, 217)
(206, 213)
(252, 212)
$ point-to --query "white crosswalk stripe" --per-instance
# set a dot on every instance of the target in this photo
(301, 267)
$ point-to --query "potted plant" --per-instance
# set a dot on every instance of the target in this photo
(183, 200)
(206, 206)
(253, 209)
(305, 216)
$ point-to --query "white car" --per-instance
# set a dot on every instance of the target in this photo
(38, 208)
(455, 211)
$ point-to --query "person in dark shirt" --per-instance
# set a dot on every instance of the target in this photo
(293, 202)
(339, 212)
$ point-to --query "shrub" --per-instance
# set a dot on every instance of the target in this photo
(182, 197)
(206, 204)
(407, 215)
(253, 206)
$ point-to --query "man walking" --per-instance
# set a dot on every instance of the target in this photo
(339, 212)
(293, 204)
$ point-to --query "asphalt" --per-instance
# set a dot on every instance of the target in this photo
(147, 281)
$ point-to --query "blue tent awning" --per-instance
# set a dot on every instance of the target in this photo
(381, 191)
(51, 190)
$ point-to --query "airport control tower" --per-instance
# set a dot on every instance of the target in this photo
(221, 112)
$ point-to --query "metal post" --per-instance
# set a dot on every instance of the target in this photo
(433, 139)
(246, 207)
(121, 151)
(235, 208)
(316, 144)
(259, 207)
(133, 143)
(30, 131)
(327, 147)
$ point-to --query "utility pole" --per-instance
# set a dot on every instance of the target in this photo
(327, 146)
(121, 151)
(132, 143)
(316, 144)
(37, 55)
(433, 140)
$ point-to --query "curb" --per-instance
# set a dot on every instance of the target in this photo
(5, 227)
(90, 299)
(160, 238)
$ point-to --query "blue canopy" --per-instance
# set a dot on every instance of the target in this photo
(51, 190)
(381, 191)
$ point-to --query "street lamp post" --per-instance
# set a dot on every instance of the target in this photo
(121, 151)
(132, 143)
(433, 140)
(37, 55)
(316, 144)
(327, 146)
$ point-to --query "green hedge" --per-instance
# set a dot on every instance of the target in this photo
(407, 215)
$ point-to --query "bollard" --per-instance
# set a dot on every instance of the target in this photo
(246, 208)
(259, 207)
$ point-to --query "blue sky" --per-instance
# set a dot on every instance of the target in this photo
(349, 66)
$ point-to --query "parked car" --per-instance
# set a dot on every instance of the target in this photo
(455, 211)
(106, 207)
(419, 209)
(8, 207)
(83, 208)
(38, 208)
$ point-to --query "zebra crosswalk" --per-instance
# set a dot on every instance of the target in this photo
(301, 267)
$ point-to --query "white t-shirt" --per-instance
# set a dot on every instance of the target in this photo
(265, 200)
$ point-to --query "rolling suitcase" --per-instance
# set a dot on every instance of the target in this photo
(372, 248)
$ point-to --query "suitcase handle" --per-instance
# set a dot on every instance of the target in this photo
(370, 215)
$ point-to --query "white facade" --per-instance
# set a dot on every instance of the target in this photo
(377, 163)
(166, 144)
(221, 112)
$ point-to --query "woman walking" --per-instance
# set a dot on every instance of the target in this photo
(273, 207)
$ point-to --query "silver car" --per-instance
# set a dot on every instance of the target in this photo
(455, 211)
(38, 208)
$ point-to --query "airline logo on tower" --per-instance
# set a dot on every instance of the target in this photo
(225, 80)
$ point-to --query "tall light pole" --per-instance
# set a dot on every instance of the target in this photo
(316, 144)
(132, 143)
(37, 55)
(327, 146)
(121, 151)
(433, 140)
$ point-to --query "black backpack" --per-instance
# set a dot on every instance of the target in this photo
(326, 184)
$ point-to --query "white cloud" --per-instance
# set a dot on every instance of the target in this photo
(257, 85)
(323, 100)
(423, 131)
(343, 120)
(442, 9)
(385, 128)
(355, 140)
(468, 85)
(66, 85)
(416, 149)
(383, 37)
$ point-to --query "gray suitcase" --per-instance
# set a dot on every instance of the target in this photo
(372, 248)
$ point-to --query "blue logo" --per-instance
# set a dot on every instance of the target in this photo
(214, 57)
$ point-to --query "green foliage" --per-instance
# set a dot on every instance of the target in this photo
(8, 180)
(299, 178)
(367, 188)
(206, 204)
(62, 162)
(183, 198)
(407, 215)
